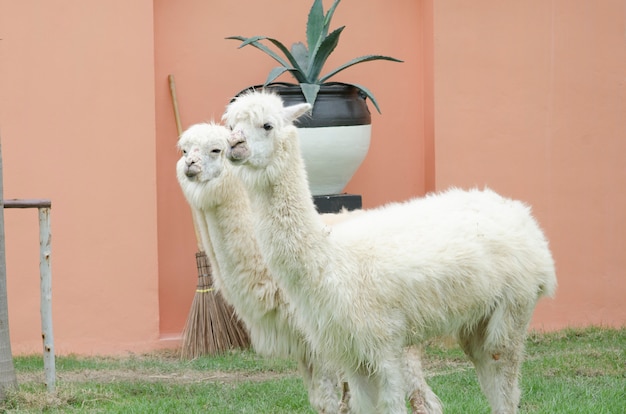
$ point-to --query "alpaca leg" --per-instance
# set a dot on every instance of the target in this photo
(421, 397)
(499, 379)
(324, 387)
(306, 373)
(321, 387)
(325, 383)
(363, 393)
(389, 378)
(497, 366)
(344, 405)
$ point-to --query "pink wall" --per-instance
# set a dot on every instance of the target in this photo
(77, 126)
(526, 97)
(530, 100)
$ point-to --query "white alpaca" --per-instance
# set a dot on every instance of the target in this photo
(219, 199)
(464, 263)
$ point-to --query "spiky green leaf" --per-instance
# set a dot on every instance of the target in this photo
(301, 55)
(315, 25)
(368, 94)
(251, 40)
(275, 73)
(355, 61)
(254, 41)
(290, 63)
(296, 70)
(319, 56)
(310, 90)
(329, 17)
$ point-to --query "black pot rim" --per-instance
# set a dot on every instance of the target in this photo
(289, 85)
(330, 109)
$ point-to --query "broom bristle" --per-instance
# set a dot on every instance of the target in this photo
(212, 326)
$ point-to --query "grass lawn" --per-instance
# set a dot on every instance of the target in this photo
(571, 371)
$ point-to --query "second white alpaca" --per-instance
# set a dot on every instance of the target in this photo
(466, 263)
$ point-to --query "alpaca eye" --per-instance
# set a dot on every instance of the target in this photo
(184, 152)
(267, 127)
(216, 151)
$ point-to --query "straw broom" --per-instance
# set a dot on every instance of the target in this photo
(212, 326)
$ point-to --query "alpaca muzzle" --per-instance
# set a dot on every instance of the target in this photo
(191, 169)
(238, 150)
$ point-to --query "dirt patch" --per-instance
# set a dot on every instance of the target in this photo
(184, 377)
(432, 368)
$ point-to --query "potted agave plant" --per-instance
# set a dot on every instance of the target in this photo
(335, 139)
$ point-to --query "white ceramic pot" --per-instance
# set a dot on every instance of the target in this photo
(332, 155)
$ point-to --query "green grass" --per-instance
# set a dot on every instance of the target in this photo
(570, 371)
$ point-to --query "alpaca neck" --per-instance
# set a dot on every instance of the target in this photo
(230, 228)
(289, 229)
(244, 274)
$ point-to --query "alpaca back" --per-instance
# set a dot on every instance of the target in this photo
(460, 253)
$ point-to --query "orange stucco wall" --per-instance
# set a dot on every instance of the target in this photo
(526, 97)
(530, 99)
(77, 125)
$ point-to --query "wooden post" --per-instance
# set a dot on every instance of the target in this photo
(45, 275)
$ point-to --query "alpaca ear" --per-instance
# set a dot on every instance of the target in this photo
(294, 112)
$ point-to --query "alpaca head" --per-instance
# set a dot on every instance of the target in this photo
(203, 159)
(257, 121)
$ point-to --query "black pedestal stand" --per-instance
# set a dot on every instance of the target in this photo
(333, 203)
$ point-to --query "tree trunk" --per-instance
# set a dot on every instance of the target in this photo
(7, 369)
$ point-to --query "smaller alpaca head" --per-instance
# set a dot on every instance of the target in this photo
(203, 147)
(257, 121)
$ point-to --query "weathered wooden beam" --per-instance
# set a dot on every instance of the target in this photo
(27, 203)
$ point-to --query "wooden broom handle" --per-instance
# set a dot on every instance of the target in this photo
(172, 83)
(179, 129)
